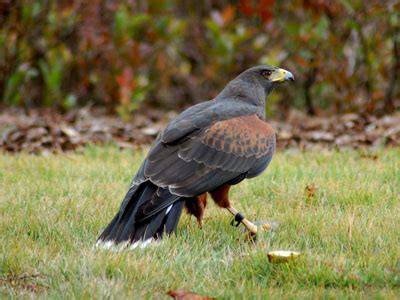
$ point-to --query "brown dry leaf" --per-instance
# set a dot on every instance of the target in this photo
(320, 136)
(285, 134)
(350, 117)
(369, 156)
(151, 131)
(183, 295)
(311, 190)
(344, 139)
(35, 133)
(69, 131)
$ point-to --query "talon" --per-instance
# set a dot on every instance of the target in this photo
(251, 237)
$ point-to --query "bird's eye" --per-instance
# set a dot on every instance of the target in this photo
(266, 73)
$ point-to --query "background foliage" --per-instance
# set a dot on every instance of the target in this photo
(117, 53)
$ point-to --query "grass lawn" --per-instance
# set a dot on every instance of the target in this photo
(52, 209)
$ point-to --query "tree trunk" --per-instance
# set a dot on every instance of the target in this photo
(310, 79)
(395, 70)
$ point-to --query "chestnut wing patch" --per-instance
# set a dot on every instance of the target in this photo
(234, 145)
(246, 136)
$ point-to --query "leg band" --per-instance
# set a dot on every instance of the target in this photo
(237, 220)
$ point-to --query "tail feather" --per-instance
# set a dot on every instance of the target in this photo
(173, 216)
(107, 231)
(118, 223)
(127, 219)
(123, 223)
(148, 229)
(125, 227)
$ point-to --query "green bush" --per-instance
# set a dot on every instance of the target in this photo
(345, 54)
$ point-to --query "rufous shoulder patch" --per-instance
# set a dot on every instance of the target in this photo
(243, 136)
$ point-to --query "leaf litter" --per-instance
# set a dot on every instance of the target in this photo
(42, 131)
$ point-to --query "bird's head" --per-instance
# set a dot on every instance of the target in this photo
(254, 84)
(267, 77)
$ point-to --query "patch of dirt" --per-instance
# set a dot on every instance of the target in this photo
(184, 295)
(44, 130)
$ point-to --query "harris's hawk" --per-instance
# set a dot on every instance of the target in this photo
(205, 149)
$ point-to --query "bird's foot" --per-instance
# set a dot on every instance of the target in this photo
(239, 218)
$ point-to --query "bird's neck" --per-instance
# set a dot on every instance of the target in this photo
(240, 90)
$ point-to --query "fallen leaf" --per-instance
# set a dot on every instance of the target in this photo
(152, 131)
(69, 131)
(320, 136)
(311, 190)
(369, 156)
(284, 134)
(183, 295)
(35, 133)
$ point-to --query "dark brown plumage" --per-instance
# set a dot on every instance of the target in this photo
(207, 148)
(196, 205)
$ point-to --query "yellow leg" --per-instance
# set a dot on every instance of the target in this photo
(250, 226)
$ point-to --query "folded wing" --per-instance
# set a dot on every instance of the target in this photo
(225, 151)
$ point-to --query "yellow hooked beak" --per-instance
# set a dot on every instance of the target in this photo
(281, 75)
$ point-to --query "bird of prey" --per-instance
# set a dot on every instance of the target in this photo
(206, 149)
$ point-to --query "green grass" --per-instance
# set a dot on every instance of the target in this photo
(52, 209)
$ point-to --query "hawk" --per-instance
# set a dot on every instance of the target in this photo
(205, 150)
